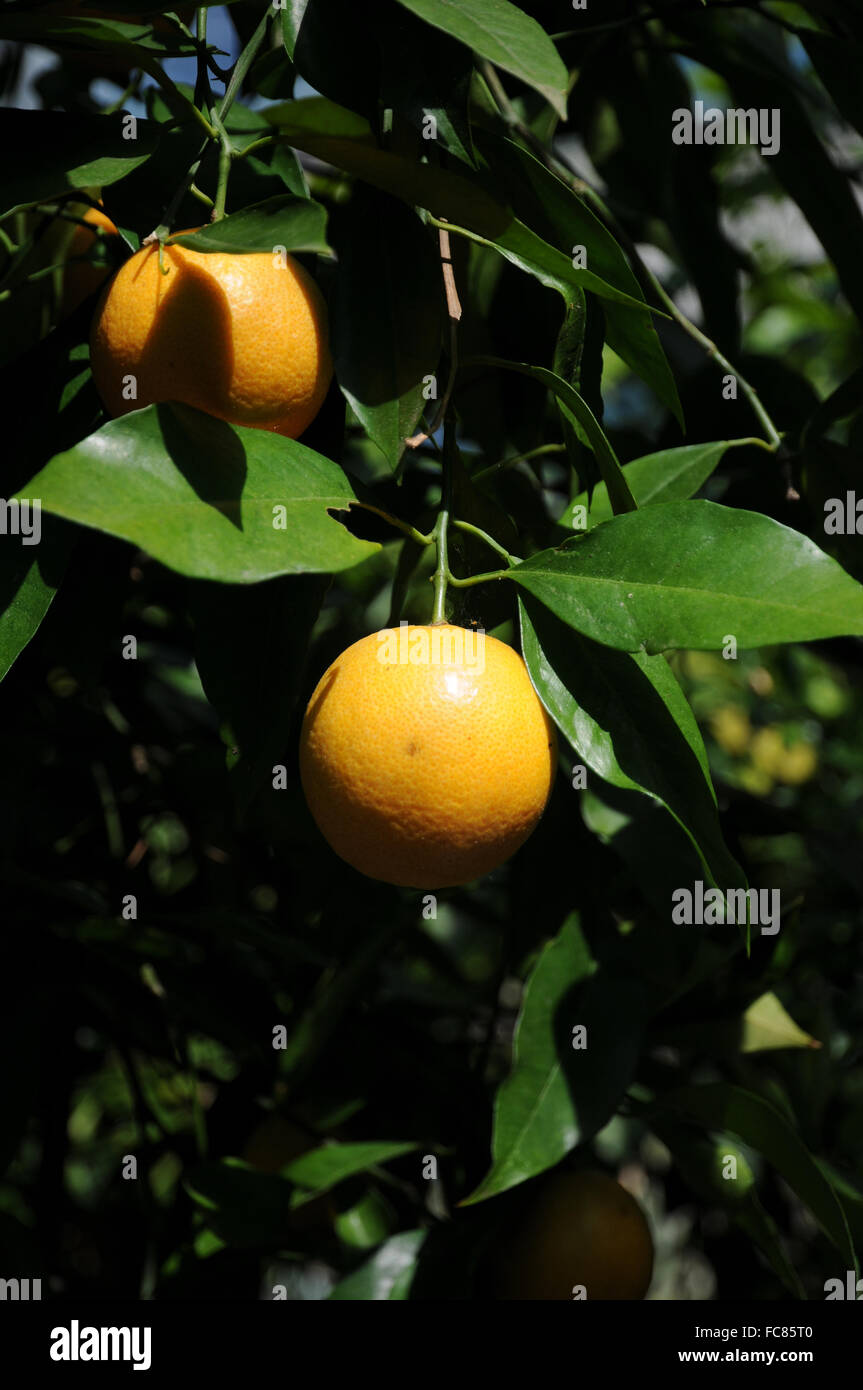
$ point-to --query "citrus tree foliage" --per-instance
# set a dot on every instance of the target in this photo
(629, 364)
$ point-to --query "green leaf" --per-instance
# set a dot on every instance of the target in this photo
(336, 48)
(609, 465)
(199, 495)
(29, 578)
(757, 1123)
(766, 1025)
(244, 1208)
(506, 36)
(689, 574)
(344, 139)
(553, 268)
(94, 33)
(322, 1168)
(386, 336)
(557, 1096)
(387, 1274)
(437, 87)
(762, 1230)
(298, 224)
(535, 1123)
(48, 153)
(702, 1163)
(553, 210)
(629, 720)
(669, 476)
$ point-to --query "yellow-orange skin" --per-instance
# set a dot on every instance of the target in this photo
(242, 337)
(426, 775)
(582, 1230)
(80, 278)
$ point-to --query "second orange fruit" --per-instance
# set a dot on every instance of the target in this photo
(426, 772)
(243, 337)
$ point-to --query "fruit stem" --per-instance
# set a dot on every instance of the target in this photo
(214, 131)
(225, 156)
(442, 575)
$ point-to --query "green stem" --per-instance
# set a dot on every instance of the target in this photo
(476, 579)
(441, 575)
(131, 90)
(484, 536)
(243, 63)
(581, 187)
(538, 452)
(257, 145)
(214, 132)
(168, 86)
(203, 92)
(201, 196)
(224, 170)
(404, 526)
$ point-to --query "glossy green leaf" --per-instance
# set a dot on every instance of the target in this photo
(437, 88)
(322, 1168)
(757, 1123)
(524, 248)
(203, 496)
(669, 476)
(629, 720)
(94, 32)
(535, 1123)
(506, 36)
(387, 1274)
(556, 1096)
(321, 128)
(47, 153)
(29, 578)
(766, 1024)
(689, 574)
(386, 342)
(297, 224)
(336, 48)
(609, 465)
(553, 210)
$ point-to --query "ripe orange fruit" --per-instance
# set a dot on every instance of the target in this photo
(426, 756)
(243, 337)
(81, 278)
(582, 1230)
